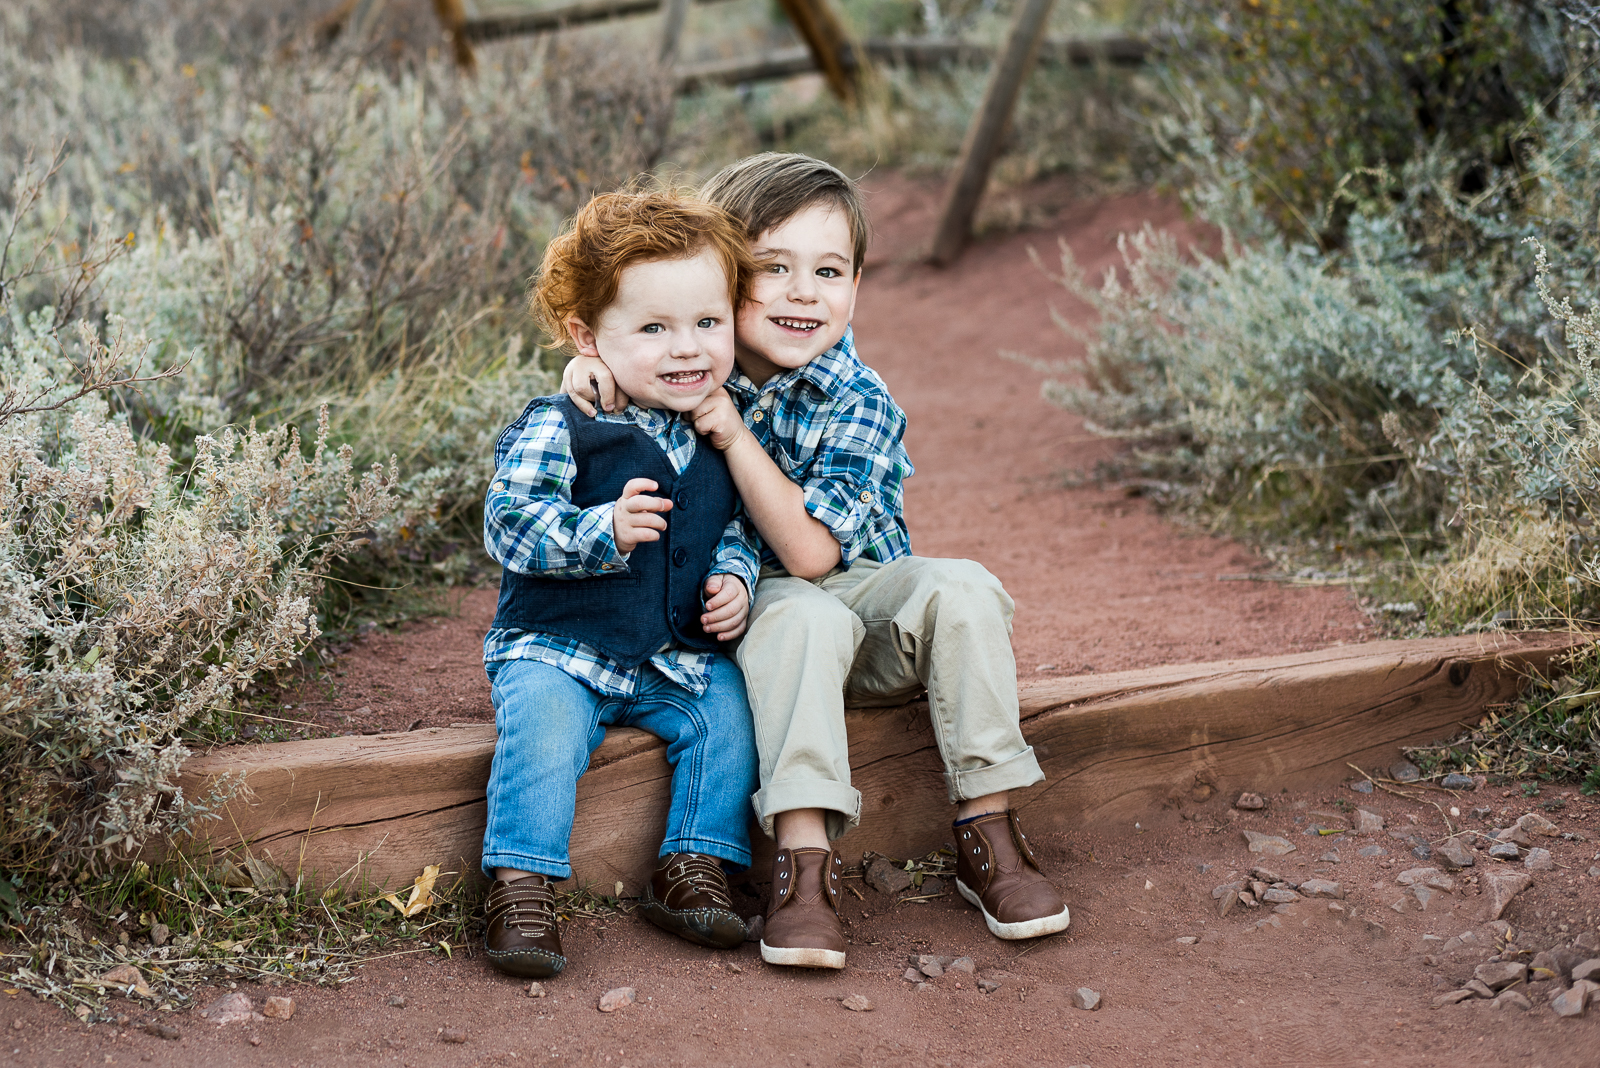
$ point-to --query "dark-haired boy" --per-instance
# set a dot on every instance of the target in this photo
(844, 610)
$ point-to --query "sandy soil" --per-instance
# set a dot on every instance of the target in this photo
(1101, 583)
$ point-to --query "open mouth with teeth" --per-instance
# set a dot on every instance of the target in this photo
(798, 326)
(686, 379)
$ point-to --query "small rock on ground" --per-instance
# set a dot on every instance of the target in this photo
(1250, 802)
(622, 996)
(1454, 997)
(278, 1008)
(163, 1030)
(1505, 851)
(1368, 822)
(1454, 852)
(1416, 875)
(1373, 850)
(231, 1008)
(932, 969)
(1533, 823)
(1271, 845)
(1084, 998)
(1589, 969)
(964, 965)
(1187, 940)
(398, 1001)
(1571, 1002)
(911, 975)
(856, 1003)
(1502, 888)
(1457, 781)
(1539, 860)
(535, 990)
(1511, 999)
(1361, 786)
(1404, 771)
(1321, 888)
(452, 1035)
(1498, 974)
(886, 877)
(988, 986)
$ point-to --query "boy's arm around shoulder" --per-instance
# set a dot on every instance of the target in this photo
(530, 524)
(776, 506)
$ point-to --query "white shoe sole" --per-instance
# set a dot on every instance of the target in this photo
(1021, 929)
(802, 958)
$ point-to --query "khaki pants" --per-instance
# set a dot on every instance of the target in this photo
(877, 634)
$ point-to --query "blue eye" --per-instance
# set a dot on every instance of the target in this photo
(654, 328)
(830, 272)
(776, 268)
(706, 324)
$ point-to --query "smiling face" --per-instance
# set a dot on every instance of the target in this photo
(668, 335)
(804, 292)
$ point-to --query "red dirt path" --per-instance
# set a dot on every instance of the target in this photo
(1101, 583)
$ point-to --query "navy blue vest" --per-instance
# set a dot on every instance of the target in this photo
(630, 615)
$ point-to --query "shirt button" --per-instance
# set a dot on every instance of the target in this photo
(501, 486)
(866, 497)
(608, 567)
(757, 416)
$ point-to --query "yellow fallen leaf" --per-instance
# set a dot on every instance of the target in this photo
(421, 893)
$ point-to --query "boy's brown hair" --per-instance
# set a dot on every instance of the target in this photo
(582, 267)
(769, 189)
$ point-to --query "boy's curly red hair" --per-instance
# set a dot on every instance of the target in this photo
(582, 267)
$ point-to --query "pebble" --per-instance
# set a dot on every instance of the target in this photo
(856, 1003)
(1421, 850)
(452, 1035)
(1361, 786)
(1502, 888)
(1454, 997)
(1480, 988)
(1368, 822)
(932, 969)
(1498, 974)
(1505, 851)
(1539, 860)
(1514, 834)
(125, 976)
(1250, 802)
(755, 927)
(1330, 857)
(1279, 897)
(1373, 850)
(1423, 895)
(964, 965)
(932, 886)
(1086, 999)
(911, 975)
(887, 877)
(1417, 875)
(924, 986)
(279, 1008)
(1271, 845)
(535, 990)
(1187, 940)
(988, 986)
(1571, 1002)
(1455, 854)
(1457, 781)
(1321, 888)
(734, 969)
(1589, 969)
(231, 1009)
(1511, 999)
(621, 997)
(1404, 771)
(1534, 823)
(163, 1030)
(398, 1001)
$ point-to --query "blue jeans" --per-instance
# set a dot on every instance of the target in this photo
(548, 723)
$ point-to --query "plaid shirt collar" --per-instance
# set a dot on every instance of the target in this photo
(828, 373)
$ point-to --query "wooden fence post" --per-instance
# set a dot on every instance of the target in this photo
(453, 17)
(825, 36)
(673, 14)
(986, 132)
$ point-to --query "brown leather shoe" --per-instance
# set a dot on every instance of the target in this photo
(688, 895)
(522, 938)
(803, 929)
(997, 871)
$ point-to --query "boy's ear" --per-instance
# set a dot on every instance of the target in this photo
(582, 337)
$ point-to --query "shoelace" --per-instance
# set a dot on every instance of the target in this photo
(704, 874)
(530, 909)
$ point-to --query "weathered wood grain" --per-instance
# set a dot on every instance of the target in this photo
(373, 810)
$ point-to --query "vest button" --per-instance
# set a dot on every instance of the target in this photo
(680, 556)
(681, 501)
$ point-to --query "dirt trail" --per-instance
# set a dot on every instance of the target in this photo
(1101, 583)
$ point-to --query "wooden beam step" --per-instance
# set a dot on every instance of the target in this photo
(372, 810)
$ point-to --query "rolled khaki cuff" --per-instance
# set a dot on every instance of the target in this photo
(1011, 774)
(840, 802)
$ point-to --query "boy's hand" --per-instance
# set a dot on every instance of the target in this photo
(727, 607)
(587, 380)
(636, 518)
(719, 420)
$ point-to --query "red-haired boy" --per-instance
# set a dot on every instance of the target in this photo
(626, 562)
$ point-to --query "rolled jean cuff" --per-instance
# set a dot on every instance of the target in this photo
(733, 854)
(840, 802)
(1013, 773)
(553, 869)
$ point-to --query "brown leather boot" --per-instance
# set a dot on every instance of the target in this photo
(803, 929)
(997, 871)
(522, 938)
(688, 895)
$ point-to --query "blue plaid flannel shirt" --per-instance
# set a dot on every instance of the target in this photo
(837, 433)
(531, 526)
